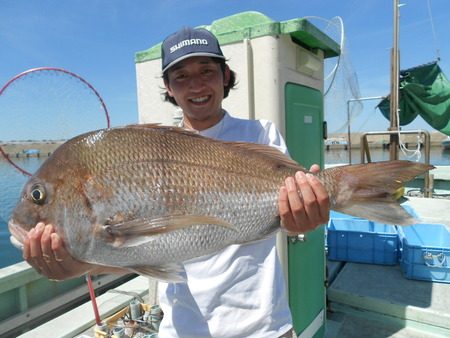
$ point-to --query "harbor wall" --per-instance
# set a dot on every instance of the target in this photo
(17, 149)
(20, 149)
(382, 141)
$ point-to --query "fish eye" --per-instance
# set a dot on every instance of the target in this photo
(37, 194)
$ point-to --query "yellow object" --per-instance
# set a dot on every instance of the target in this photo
(398, 193)
(99, 333)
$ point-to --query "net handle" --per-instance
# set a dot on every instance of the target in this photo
(23, 171)
(63, 71)
(8, 83)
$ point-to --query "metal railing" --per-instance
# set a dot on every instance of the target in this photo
(29, 299)
(365, 152)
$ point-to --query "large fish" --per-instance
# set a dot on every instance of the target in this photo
(149, 197)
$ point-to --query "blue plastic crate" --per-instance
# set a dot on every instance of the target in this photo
(425, 252)
(362, 241)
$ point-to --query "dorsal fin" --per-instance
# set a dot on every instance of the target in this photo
(265, 150)
(268, 151)
(142, 125)
(161, 127)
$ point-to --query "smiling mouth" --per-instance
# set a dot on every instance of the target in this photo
(200, 100)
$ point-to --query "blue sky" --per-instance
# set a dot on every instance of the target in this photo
(98, 39)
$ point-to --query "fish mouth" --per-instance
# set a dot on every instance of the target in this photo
(18, 234)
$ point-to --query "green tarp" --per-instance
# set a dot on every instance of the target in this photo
(424, 91)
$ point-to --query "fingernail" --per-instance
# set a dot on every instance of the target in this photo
(290, 184)
(39, 227)
(310, 176)
(300, 175)
(54, 237)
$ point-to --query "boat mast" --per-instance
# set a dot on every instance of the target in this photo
(395, 74)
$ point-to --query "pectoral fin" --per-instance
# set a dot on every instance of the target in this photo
(132, 232)
(168, 273)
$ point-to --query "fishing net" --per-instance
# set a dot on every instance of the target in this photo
(40, 109)
(341, 82)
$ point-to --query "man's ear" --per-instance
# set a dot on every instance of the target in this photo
(169, 91)
(226, 75)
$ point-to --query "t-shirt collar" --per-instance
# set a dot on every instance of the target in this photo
(215, 130)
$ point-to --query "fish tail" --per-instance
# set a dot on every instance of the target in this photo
(368, 190)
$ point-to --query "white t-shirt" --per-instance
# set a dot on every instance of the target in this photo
(240, 291)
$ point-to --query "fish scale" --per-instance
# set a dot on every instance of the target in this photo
(147, 198)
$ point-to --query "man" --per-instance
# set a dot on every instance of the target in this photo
(240, 291)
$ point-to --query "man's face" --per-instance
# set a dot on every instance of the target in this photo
(197, 85)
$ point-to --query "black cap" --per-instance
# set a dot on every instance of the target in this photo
(189, 42)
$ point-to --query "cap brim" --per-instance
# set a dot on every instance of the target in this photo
(184, 57)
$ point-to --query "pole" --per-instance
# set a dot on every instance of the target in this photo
(98, 321)
(394, 125)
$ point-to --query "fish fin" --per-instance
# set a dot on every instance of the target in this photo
(386, 212)
(161, 225)
(167, 273)
(161, 127)
(267, 151)
(368, 190)
(143, 125)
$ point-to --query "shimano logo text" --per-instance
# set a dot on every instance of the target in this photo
(188, 42)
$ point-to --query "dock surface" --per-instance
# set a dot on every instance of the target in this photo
(378, 301)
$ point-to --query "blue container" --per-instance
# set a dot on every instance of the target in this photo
(425, 252)
(362, 241)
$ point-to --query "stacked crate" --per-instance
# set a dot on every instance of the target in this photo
(422, 250)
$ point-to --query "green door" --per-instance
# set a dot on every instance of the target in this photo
(306, 260)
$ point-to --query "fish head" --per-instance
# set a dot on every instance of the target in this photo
(37, 203)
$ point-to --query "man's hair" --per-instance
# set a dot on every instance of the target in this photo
(226, 89)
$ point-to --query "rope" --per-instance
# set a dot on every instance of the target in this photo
(409, 153)
(433, 31)
(340, 27)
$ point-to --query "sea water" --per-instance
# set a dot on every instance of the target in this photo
(11, 184)
(12, 181)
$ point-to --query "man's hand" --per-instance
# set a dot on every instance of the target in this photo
(45, 252)
(303, 203)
